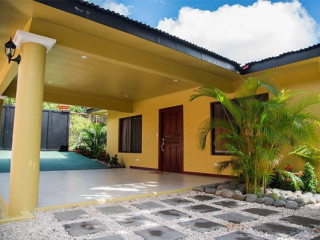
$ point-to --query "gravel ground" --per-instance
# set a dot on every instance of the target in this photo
(45, 225)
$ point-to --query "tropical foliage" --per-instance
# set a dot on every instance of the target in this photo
(261, 133)
(287, 180)
(94, 139)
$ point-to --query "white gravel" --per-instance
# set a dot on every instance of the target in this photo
(45, 226)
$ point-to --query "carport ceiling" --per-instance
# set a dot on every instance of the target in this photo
(67, 71)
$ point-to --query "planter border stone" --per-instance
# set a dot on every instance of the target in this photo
(272, 197)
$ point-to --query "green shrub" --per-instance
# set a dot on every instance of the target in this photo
(94, 139)
(286, 180)
(309, 179)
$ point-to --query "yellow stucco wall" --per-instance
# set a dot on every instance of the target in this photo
(194, 113)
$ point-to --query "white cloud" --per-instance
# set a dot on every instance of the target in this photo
(117, 7)
(246, 34)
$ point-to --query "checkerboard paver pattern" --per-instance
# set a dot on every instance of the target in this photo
(235, 217)
(171, 214)
(70, 215)
(147, 205)
(129, 221)
(177, 201)
(179, 214)
(84, 228)
(261, 211)
(160, 233)
(303, 221)
(278, 229)
(229, 204)
(112, 237)
(202, 225)
(203, 198)
(239, 235)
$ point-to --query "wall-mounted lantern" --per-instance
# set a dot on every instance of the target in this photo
(10, 50)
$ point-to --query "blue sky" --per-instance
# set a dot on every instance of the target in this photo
(152, 11)
(242, 30)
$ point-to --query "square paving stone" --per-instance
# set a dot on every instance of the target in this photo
(303, 221)
(235, 217)
(171, 214)
(131, 221)
(177, 201)
(261, 211)
(201, 225)
(239, 235)
(112, 237)
(70, 215)
(84, 228)
(161, 232)
(277, 229)
(147, 205)
(202, 208)
(113, 210)
(228, 204)
(203, 198)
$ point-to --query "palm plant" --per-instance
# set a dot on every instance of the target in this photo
(261, 132)
(94, 139)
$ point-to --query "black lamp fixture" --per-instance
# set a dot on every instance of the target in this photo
(10, 50)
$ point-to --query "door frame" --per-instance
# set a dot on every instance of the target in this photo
(160, 136)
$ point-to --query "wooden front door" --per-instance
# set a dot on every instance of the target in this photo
(171, 139)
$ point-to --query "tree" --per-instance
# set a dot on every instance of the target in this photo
(260, 132)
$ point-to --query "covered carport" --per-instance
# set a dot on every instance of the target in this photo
(75, 53)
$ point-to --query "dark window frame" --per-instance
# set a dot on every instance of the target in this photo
(212, 104)
(134, 147)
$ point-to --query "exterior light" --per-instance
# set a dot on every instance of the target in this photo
(10, 50)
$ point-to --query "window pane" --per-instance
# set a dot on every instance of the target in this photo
(136, 137)
(125, 135)
(218, 111)
(130, 134)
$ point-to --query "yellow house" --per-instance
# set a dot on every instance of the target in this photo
(76, 53)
